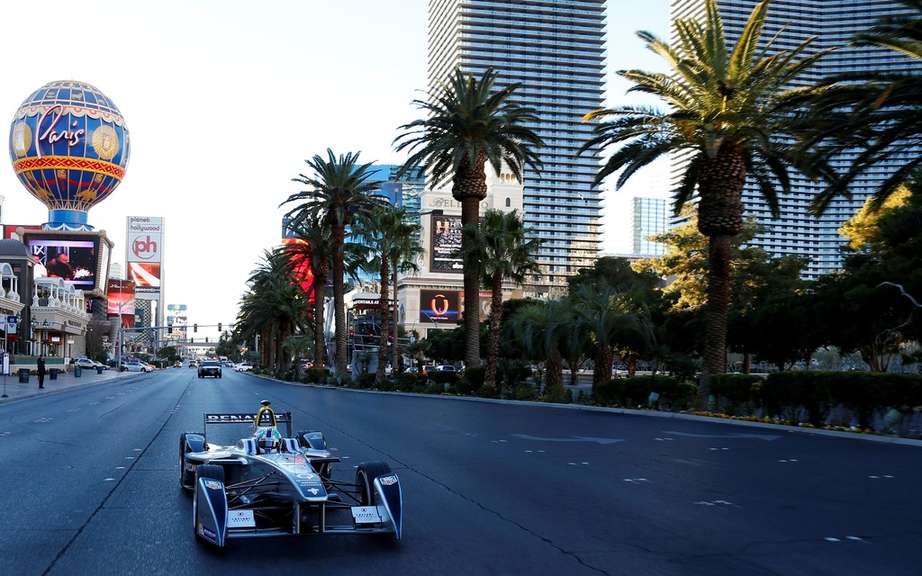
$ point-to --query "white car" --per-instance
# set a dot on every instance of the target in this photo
(135, 366)
(85, 363)
(243, 367)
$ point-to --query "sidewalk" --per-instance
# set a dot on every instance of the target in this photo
(16, 391)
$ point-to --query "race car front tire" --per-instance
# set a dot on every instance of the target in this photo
(365, 476)
(186, 478)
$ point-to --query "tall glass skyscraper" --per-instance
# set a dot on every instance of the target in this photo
(834, 23)
(556, 50)
(649, 220)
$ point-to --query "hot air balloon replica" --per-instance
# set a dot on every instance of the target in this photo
(69, 147)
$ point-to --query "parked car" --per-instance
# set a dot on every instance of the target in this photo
(210, 368)
(445, 368)
(243, 367)
(85, 363)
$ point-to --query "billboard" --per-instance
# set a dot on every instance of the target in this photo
(12, 231)
(144, 252)
(120, 298)
(302, 275)
(81, 260)
(439, 306)
(445, 244)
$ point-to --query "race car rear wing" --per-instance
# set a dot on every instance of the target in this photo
(249, 418)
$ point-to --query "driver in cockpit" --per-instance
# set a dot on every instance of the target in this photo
(266, 433)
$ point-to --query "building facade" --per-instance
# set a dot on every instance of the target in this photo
(834, 23)
(556, 50)
(649, 219)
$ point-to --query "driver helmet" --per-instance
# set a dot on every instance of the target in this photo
(268, 440)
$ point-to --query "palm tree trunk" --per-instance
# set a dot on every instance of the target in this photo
(553, 386)
(395, 350)
(496, 319)
(718, 301)
(319, 340)
(602, 371)
(470, 213)
(339, 299)
(383, 315)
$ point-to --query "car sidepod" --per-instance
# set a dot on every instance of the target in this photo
(391, 498)
(210, 511)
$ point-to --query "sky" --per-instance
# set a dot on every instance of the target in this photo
(225, 99)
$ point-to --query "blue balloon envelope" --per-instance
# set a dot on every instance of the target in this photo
(69, 147)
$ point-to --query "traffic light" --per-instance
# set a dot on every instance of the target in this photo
(169, 329)
(195, 327)
(191, 340)
(206, 339)
(219, 327)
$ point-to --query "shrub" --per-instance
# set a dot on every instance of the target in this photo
(433, 388)
(525, 392)
(364, 381)
(388, 386)
(316, 375)
(737, 388)
(636, 391)
(487, 391)
(471, 381)
(411, 383)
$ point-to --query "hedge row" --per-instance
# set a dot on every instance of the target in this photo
(819, 392)
(636, 392)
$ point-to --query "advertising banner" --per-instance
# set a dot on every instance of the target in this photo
(12, 231)
(445, 244)
(301, 272)
(145, 239)
(120, 296)
(73, 258)
(439, 306)
(145, 275)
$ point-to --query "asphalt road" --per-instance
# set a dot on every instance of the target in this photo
(90, 486)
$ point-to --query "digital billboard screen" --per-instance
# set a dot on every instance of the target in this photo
(439, 306)
(145, 275)
(120, 297)
(73, 258)
(298, 255)
(445, 244)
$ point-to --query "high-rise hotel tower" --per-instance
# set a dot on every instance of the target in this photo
(556, 50)
(834, 23)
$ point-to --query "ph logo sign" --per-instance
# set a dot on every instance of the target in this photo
(144, 247)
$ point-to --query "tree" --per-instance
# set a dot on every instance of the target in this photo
(339, 192)
(313, 243)
(168, 353)
(469, 123)
(728, 113)
(385, 232)
(877, 114)
(499, 246)
(541, 331)
(404, 254)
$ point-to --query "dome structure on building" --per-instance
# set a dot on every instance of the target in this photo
(69, 147)
(13, 248)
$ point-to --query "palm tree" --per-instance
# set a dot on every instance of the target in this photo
(468, 124)
(273, 307)
(382, 232)
(541, 330)
(339, 192)
(728, 112)
(313, 244)
(500, 246)
(405, 253)
(877, 113)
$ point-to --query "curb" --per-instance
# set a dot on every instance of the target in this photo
(5, 401)
(880, 439)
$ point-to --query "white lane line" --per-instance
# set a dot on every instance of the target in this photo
(528, 451)
(136, 450)
(831, 539)
(571, 463)
(129, 457)
(108, 479)
(119, 467)
(585, 463)
(854, 538)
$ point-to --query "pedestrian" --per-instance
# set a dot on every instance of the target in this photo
(41, 372)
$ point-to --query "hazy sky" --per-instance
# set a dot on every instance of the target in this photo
(225, 99)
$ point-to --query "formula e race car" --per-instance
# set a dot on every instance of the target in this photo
(270, 485)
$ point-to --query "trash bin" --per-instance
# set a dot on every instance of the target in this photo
(53, 373)
(23, 375)
(78, 371)
(99, 369)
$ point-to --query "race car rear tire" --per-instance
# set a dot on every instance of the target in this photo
(365, 475)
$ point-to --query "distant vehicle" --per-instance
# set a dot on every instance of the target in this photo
(193, 364)
(177, 364)
(210, 368)
(85, 363)
(228, 364)
(243, 367)
(135, 366)
(445, 368)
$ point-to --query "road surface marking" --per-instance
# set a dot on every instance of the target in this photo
(831, 539)
(766, 437)
(42, 420)
(119, 467)
(590, 439)
(108, 480)
(854, 538)
(714, 503)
